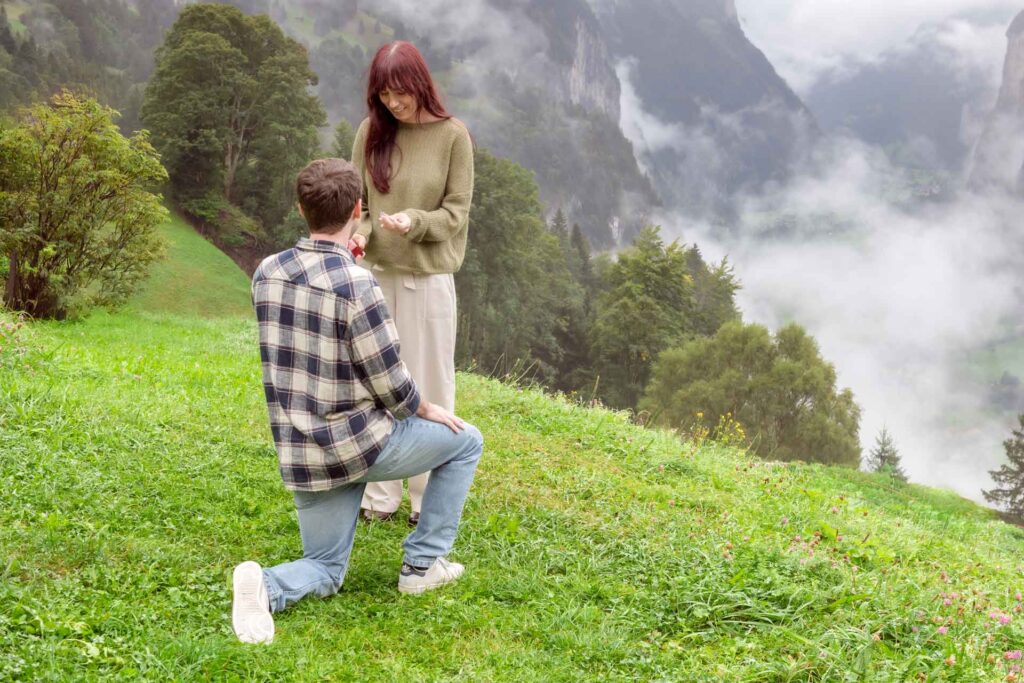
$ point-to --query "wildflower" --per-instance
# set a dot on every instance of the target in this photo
(947, 602)
(877, 636)
(951, 660)
(943, 630)
(1005, 619)
(915, 629)
(834, 510)
(1014, 654)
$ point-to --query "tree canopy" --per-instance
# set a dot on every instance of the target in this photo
(230, 110)
(648, 304)
(779, 389)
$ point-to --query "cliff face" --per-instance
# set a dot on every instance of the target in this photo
(733, 123)
(591, 80)
(1011, 95)
(999, 155)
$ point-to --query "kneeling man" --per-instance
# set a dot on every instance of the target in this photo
(344, 411)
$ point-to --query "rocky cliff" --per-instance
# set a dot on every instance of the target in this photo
(999, 154)
(591, 80)
(726, 121)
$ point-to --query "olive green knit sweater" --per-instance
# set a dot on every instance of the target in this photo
(432, 182)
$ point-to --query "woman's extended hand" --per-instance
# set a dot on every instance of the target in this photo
(396, 222)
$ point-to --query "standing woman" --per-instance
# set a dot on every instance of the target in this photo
(416, 162)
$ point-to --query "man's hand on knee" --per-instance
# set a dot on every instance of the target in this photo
(435, 413)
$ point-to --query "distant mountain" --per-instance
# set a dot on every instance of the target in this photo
(917, 101)
(730, 122)
(999, 155)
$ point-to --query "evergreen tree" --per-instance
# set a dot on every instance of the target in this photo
(654, 296)
(1009, 479)
(344, 136)
(560, 227)
(582, 269)
(514, 288)
(884, 457)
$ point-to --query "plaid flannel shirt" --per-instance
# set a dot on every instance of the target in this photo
(331, 369)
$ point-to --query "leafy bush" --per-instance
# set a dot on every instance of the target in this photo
(78, 218)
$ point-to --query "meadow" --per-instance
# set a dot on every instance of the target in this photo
(137, 469)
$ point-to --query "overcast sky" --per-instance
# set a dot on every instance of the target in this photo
(806, 38)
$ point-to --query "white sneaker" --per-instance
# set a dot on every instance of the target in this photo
(250, 612)
(413, 581)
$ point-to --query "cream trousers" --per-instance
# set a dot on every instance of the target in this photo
(423, 307)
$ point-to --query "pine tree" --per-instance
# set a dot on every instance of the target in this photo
(884, 457)
(344, 136)
(560, 227)
(579, 263)
(1009, 478)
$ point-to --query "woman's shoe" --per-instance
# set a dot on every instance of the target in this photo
(375, 515)
(414, 519)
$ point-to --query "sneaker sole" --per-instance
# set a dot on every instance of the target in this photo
(251, 623)
(423, 588)
(417, 590)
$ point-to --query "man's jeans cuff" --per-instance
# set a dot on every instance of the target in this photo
(273, 592)
(419, 562)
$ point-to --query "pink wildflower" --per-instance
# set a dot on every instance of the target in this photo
(1005, 619)
(1018, 597)
(1014, 654)
(943, 630)
(947, 602)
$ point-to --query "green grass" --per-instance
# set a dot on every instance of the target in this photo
(137, 468)
(194, 279)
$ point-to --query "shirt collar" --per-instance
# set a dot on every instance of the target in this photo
(327, 246)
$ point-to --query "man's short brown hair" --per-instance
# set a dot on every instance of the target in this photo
(328, 190)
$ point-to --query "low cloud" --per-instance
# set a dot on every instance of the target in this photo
(807, 39)
(902, 294)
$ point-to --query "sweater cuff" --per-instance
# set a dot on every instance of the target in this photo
(419, 226)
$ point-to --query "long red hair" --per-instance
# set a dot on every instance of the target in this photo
(396, 66)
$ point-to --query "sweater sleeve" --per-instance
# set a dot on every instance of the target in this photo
(359, 161)
(445, 222)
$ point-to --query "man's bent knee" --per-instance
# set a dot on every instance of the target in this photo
(474, 439)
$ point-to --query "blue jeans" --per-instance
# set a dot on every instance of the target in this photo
(327, 519)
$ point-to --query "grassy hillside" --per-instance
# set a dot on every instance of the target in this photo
(195, 278)
(137, 469)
